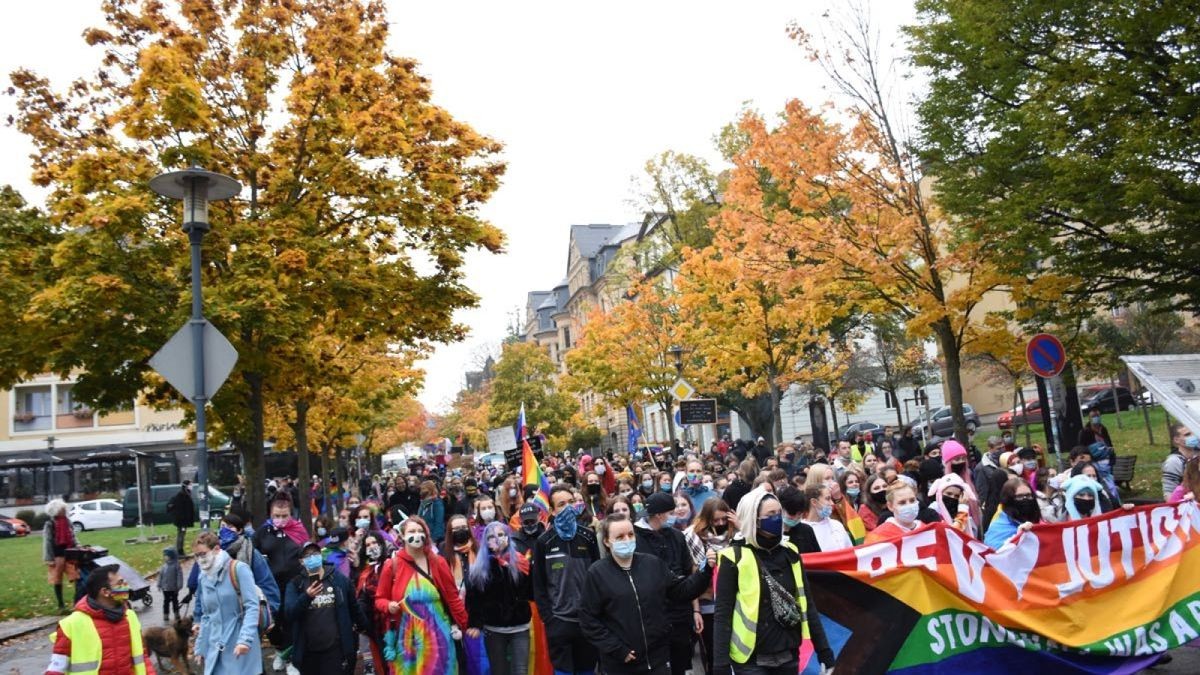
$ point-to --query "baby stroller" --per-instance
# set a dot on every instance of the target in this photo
(88, 558)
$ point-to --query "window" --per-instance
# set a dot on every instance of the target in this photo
(91, 506)
(889, 400)
(109, 506)
(567, 337)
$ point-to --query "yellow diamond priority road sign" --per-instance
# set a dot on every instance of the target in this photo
(681, 390)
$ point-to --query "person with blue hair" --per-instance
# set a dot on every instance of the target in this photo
(1082, 496)
(498, 593)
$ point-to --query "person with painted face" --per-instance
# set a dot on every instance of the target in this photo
(902, 502)
(625, 605)
(228, 640)
(102, 616)
(557, 588)
(498, 594)
(418, 595)
(1020, 511)
(324, 615)
(765, 615)
(657, 536)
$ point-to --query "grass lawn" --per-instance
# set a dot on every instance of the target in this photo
(1131, 439)
(24, 591)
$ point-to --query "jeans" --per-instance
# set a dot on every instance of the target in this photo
(508, 653)
(180, 533)
(755, 669)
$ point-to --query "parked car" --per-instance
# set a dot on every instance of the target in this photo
(495, 459)
(7, 530)
(846, 433)
(19, 527)
(218, 503)
(1015, 418)
(95, 514)
(940, 423)
(1101, 396)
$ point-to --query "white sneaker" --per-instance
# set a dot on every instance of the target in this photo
(278, 663)
(291, 670)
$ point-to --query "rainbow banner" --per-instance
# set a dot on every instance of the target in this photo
(531, 471)
(1107, 594)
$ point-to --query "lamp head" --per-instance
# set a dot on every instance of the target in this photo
(196, 187)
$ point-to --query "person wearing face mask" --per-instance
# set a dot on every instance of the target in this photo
(373, 551)
(483, 511)
(341, 552)
(425, 612)
(608, 477)
(1094, 430)
(952, 503)
(459, 549)
(625, 605)
(432, 509)
(647, 485)
(765, 616)
(497, 601)
(846, 500)
(830, 533)
(557, 588)
(902, 502)
(228, 640)
(873, 509)
(101, 634)
(695, 489)
(1184, 446)
(1019, 512)
(324, 615)
(531, 525)
(234, 542)
(795, 508)
(990, 477)
(595, 498)
(657, 536)
(279, 541)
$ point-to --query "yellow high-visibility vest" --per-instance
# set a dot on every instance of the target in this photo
(86, 648)
(745, 607)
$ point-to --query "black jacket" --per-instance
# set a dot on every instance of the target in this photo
(350, 616)
(670, 546)
(624, 611)
(282, 554)
(989, 481)
(734, 492)
(502, 602)
(907, 448)
(771, 636)
(803, 538)
(559, 570)
(182, 509)
(524, 542)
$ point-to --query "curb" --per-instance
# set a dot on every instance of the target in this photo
(51, 620)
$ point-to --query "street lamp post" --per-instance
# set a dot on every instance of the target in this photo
(677, 352)
(197, 187)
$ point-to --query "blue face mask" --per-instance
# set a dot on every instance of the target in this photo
(312, 563)
(362, 523)
(226, 536)
(852, 492)
(790, 522)
(1192, 442)
(647, 485)
(624, 549)
(566, 522)
(321, 532)
(824, 512)
(665, 487)
(772, 525)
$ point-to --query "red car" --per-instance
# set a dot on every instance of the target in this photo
(16, 527)
(1030, 414)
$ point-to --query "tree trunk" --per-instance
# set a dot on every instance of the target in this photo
(669, 408)
(837, 434)
(952, 372)
(339, 468)
(896, 402)
(303, 482)
(1028, 438)
(777, 422)
(328, 510)
(1112, 383)
(252, 449)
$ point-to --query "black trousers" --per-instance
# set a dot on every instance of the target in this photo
(570, 650)
(328, 662)
(682, 634)
(170, 599)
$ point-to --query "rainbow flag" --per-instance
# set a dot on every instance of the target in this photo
(855, 526)
(531, 471)
(1103, 595)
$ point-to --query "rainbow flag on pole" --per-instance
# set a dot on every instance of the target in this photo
(531, 471)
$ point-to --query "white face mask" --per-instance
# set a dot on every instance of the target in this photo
(600, 469)
(487, 515)
(415, 539)
(207, 560)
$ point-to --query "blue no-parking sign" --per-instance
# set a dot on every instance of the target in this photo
(1046, 355)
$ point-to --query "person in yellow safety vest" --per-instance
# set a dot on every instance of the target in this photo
(102, 636)
(764, 611)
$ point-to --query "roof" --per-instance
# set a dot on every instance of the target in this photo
(589, 239)
(548, 303)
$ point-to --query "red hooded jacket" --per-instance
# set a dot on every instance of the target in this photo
(399, 570)
(117, 657)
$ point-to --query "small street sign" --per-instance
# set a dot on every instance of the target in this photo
(698, 411)
(1046, 355)
(681, 390)
(175, 361)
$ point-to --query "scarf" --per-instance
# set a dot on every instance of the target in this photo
(295, 531)
(113, 615)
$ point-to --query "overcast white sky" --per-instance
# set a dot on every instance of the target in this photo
(581, 94)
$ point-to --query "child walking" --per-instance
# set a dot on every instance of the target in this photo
(170, 581)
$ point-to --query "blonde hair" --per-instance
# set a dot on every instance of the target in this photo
(897, 487)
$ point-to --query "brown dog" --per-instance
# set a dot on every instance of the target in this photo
(170, 642)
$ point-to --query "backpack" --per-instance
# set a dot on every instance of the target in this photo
(265, 620)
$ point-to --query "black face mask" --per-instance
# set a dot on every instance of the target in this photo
(529, 527)
(768, 540)
(958, 467)
(1084, 506)
(951, 504)
(593, 488)
(1024, 510)
(879, 497)
(460, 537)
(720, 529)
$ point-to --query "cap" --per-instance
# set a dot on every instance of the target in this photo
(339, 535)
(529, 509)
(1027, 453)
(312, 545)
(659, 502)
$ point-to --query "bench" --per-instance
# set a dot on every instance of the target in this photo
(1122, 470)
